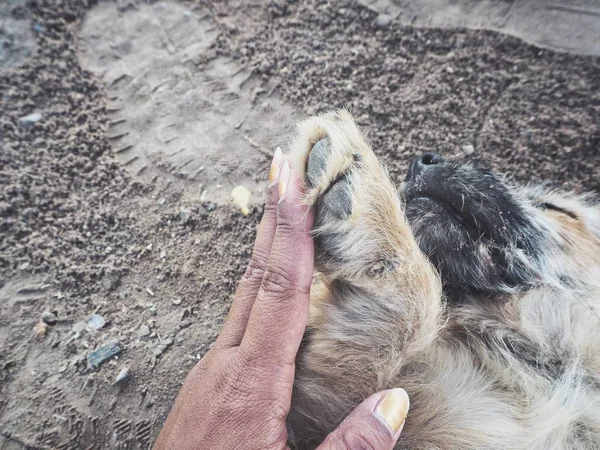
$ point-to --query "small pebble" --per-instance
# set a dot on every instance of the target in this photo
(95, 322)
(27, 121)
(49, 318)
(103, 354)
(177, 301)
(144, 331)
(184, 216)
(123, 375)
(108, 283)
(468, 149)
(383, 20)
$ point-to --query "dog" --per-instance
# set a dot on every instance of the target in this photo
(479, 297)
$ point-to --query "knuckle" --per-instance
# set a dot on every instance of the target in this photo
(247, 387)
(291, 221)
(254, 272)
(272, 197)
(236, 381)
(238, 386)
(248, 358)
(288, 224)
(278, 281)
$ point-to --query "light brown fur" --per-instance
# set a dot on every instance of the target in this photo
(375, 326)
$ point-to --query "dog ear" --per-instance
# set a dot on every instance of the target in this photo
(584, 208)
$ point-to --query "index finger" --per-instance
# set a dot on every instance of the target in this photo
(235, 326)
(280, 312)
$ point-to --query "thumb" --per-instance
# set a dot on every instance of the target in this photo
(375, 424)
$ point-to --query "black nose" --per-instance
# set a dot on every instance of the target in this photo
(421, 163)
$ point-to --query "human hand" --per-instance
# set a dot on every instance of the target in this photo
(239, 394)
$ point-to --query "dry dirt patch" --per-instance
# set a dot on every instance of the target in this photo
(568, 26)
(180, 115)
(16, 37)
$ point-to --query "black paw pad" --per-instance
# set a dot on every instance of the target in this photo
(336, 202)
(317, 161)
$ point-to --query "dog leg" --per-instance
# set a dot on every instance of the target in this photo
(377, 300)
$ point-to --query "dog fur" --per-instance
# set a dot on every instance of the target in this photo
(479, 297)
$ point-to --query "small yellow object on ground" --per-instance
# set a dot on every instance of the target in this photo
(241, 196)
(40, 329)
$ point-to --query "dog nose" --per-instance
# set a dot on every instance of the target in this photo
(422, 163)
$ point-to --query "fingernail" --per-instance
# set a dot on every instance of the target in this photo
(393, 408)
(275, 169)
(284, 178)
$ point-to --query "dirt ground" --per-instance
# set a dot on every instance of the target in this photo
(563, 25)
(124, 127)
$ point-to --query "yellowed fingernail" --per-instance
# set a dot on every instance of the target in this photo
(284, 178)
(274, 172)
(393, 408)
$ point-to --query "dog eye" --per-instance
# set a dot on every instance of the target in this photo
(553, 207)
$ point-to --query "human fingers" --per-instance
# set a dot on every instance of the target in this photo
(280, 312)
(235, 324)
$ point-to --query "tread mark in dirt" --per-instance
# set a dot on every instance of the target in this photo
(180, 117)
(545, 23)
(143, 432)
(122, 428)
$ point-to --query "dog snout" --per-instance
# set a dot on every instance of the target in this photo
(422, 163)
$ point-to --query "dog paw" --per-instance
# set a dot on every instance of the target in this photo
(358, 214)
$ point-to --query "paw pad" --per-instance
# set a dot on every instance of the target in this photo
(336, 200)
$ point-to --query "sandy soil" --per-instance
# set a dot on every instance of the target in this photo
(123, 128)
(554, 24)
(16, 33)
